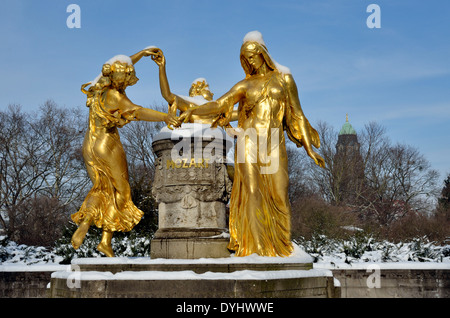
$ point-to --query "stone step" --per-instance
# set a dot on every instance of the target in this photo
(198, 266)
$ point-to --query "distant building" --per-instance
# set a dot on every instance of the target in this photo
(347, 144)
(348, 167)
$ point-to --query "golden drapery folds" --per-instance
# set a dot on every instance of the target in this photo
(268, 104)
(108, 204)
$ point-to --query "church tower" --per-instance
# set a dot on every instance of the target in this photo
(348, 168)
(347, 144)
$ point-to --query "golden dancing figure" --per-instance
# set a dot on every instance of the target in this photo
(108, 204)
(268, 98)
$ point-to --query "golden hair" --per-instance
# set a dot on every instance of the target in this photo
(257, 48)
(197, 88)
(117, 74)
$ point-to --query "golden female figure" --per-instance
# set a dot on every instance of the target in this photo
(268, 104)
(108, 204)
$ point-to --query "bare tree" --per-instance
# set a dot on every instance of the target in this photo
(62, 131)
(23, 166)
(399, 180)
(327, 179)
(383, 182)
(39, 166)
(300, 185)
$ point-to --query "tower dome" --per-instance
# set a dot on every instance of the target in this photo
(347, 140)
(347, 129)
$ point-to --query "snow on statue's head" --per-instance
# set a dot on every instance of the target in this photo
(254, 42)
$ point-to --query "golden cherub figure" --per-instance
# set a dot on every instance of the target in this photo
(199, 94)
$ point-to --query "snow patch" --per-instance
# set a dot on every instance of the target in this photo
(256, 36)
(33, 268)
(361, 249)
(120, 58)
(200, 79)
(197, 100)
(298, 256)
(382, 266)
(12, 254)
(190, 275)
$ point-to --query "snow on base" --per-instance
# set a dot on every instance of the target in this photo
(382, 265)
(191, 275)
(196, 130)
(298, 256)
(33, 268)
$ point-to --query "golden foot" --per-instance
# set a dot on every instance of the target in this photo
(105, 249)
(79, 235)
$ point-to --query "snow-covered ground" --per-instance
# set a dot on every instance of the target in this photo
(361, 251)
(18, 258)
(418, 254)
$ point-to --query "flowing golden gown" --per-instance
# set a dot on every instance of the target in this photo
(260, 211)
(109, 200)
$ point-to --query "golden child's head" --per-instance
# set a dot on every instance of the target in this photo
(201, 88)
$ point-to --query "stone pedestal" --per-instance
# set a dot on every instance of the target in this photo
(192, 188)
(230, 277)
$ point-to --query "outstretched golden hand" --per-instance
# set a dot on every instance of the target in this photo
(158, 57)
(317, 158)
(152, 51)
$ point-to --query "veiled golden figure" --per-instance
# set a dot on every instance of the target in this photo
(108, 204)
(268, 104)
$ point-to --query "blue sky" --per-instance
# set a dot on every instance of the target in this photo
(397, 75)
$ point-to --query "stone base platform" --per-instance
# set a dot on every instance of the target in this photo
(186, 243)
(189, 248)
(231, 277)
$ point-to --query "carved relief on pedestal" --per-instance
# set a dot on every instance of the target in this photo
(186, 180)
(191, 188)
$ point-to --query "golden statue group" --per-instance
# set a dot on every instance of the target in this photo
(260, 213)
